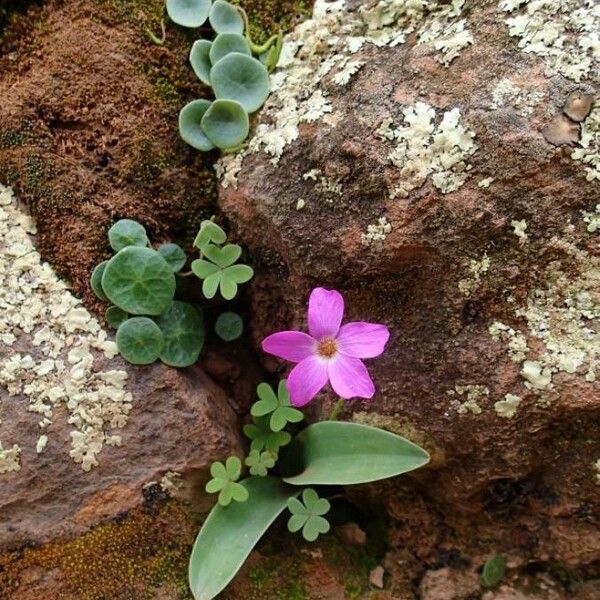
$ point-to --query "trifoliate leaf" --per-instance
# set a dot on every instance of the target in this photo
(308, 515)
(260, 462)
(278, 406)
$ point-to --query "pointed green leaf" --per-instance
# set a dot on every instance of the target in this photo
(340, 453)
(229, 534)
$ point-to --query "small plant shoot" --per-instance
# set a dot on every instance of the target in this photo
(285, 466)
(493, 571)
(140, 282)
(232, 65)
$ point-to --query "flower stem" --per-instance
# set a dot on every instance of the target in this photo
(337, 409)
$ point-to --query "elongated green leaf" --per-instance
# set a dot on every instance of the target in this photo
(340, 453)
(229, 534)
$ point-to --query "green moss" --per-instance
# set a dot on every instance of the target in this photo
(167, 91)
(147, 162)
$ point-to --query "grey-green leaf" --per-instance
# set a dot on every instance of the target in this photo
(127, 232)
(225, 43)
(96, 280)
(190, 125)
(224, 17)
(341, 453)
(200, 60)
(229, 326)
(241, 78)
(174, 255)
(225, 124)
(183, 330)
(229, 534)
(115, 316)
(139, 340)
(139, 281)
(188, 13)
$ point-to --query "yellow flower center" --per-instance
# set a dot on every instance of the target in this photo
(327, 348)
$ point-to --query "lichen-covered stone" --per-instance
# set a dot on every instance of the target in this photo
(402, 160)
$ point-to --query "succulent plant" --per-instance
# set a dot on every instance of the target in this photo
(183, 332)
(239, 80)
(140, 340)
(189, 13)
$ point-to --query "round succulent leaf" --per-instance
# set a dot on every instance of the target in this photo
(96, 280)
(241, 78)
(226, 43)
(226, 123)
(225, 256)
(240, 273)
(127, 232)
(209, 232)
(174, 255)
(224, 17)
(200, 60)
(139, 340)
(229, 326)
(139, 281)
(183, 330)
(190, 125)
(189, 13)
(115, 316)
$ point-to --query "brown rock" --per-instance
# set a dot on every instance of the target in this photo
(578, 106)
(351, 534)
(445, 584)
(180, 422)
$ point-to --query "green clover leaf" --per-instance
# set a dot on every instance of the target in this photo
(263, 438)
(278, 406)
(209, 232)
(260, 462)
(220, 272)
(308, 515)
(224, 481)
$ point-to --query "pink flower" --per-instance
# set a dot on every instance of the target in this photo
(331, 352)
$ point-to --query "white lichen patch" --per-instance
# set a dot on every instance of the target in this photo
(477, 269)
(426, 146)
(519, 229)
(597, 470)
(507, 408)
(10, 459)
(469, 395)
(376, 233)
(564, 32)
(588, 151)
(562, 322)
(485, 183)
(592, 219)
(50, 345)
(508, 94)
(324, 53)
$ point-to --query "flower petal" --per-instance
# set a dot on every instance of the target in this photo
(349, 378)
(290, 345)
(325, 313)
(362, 340)
(306, 380)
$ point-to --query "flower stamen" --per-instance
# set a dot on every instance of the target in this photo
(327, 348)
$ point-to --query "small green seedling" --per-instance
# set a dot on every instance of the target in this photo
(263, 438)
(189, 13)
(220, 272)
(493, 571)
(224, 481)
(308, 515)
(277, 406)
(229, 326)
(260, 462)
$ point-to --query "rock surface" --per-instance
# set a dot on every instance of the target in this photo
(401, 159)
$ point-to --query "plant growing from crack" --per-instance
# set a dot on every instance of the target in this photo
(140, 282)
(228, 64)
(287, 461)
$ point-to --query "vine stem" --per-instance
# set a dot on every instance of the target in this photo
(159, 41)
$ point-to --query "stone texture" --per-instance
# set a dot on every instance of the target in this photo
(180, 421)
(483, 266)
